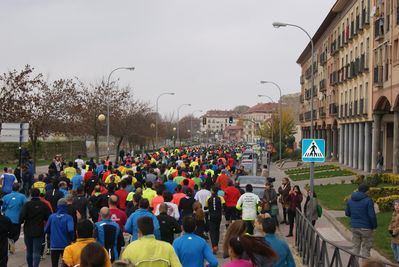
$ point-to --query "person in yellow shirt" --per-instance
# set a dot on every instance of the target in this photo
(70, 171)
(112, 178)
(149, 193)
(84, 232)
(39, 184)
(149, 250)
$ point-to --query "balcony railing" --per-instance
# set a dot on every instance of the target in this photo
(361, 103)
(341, 111)
(379, 28)
(346, 111)
(355, 108)
(322, 113)
(365, 16)
(323, 58)
(322, 85)
(378, 75)
(332, 109)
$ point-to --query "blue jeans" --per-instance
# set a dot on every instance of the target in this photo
(33, 249)
(395, 249)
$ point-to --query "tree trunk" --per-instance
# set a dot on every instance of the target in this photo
(34, 151)
(97, 149)
(118, 148)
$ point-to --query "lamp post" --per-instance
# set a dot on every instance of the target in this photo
(280, 111)
(174, 136)
(156, 115)
(178, 119)
(282, 24)
(191, 122)
(108, 103)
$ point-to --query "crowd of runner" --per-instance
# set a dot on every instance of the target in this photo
(156, 209)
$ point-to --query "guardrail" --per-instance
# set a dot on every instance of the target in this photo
(315, 250)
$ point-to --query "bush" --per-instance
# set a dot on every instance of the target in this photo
(386, 203)
(359, 179)
(376, 193)
(390, 178)
(373, 180)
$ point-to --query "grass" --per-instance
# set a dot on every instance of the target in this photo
(382, 239)
(306, 169)
(320, 174)
(332, 196)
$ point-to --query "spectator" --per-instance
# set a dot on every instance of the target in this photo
(394, 231)
(93, 255)
(12, 206)
(360, 209)
(295, 200)
(148, 249)
(167, 224)
(310, 207)
(34, 214)
(248, 203)
(131, 226)
(284, 191)
(108, 234)
(5, 234)
(191, 249)
(269, 201)
(84, 232)
(60, 227)
(279, 246)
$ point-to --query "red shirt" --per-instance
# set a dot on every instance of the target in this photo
(105, 175)
(122, 195)
(177, 197)
(156, 201)
(231, 196)
(191, 183)
(88, 175)
(117, 216)
(223, 180)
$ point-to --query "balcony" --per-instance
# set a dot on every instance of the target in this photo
(334, 48)
(342, 38)
(322, 113)
(379, 28)
(346, 111)
(357, 24)
(361, 104)
(308, 73)
(334, 78)
(352, 30)
(322, 85)
(301, 119)
(323, 58)
(332, 110)
(365, 16)
(378, 76)
(355, 108)
(341, 111)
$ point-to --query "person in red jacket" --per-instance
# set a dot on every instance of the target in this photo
(222, 180)
(122, 195)
(231, 196)
(294, 200)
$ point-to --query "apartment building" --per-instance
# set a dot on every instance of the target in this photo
(385, 84)
(215, 121)
(343, 79)
(254, 117)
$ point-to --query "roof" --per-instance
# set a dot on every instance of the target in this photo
(262, 108)
(220, 114)
(337, 7)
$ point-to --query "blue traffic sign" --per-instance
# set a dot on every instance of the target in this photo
(313, 150)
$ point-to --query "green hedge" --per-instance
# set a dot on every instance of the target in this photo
(317, 168)
(386, 203)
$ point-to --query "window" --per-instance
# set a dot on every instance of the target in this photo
(395, 50)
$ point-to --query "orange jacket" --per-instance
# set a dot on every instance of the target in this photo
(72, 252)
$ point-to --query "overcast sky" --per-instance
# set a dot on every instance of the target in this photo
(211, 53)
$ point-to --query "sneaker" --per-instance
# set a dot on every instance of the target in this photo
(48, 251)
(11, 246)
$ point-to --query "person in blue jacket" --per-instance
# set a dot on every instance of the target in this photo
(285, 258)
(360, 208)
(131, 224)
(109, 234)
(12, 206)
(60, 227)
(191, 249)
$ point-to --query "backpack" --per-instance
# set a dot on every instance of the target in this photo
(319, 210)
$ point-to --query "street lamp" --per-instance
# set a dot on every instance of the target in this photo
(280, 111)
(174, 136)
(156, 116)
(191, 122)
(178, 118)
(108, 103)
(282, 24)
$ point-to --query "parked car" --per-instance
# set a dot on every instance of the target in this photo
(257, 182)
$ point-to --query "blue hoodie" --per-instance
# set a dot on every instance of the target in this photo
(12, 206)
(360, 208)
(131, 224)
(60, 226)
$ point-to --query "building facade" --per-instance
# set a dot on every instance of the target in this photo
(215, 121)
(356, 83)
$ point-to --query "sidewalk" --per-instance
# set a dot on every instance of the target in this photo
(328, 226)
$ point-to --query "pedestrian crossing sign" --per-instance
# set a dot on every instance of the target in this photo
(313, 150)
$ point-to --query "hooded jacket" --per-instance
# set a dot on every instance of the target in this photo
(360, 208)
(131, 224)
(60, 226)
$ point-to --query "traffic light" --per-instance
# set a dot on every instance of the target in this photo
(204, 120)
(231, 119)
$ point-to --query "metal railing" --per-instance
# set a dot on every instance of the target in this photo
(315, 250)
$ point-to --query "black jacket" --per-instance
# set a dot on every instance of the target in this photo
(53, 196)
(34, 214)
(168, 227)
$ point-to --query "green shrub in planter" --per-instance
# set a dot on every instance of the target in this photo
(386, 203)
(359, 179)
(376, 193)
(373, 180)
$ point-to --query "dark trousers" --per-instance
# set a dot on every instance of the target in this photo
(214, 231)
(15, 231)
(55, 257)
(33, 248)
(250, 227)
(291, 219)
(284, 214)
(3, 252)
